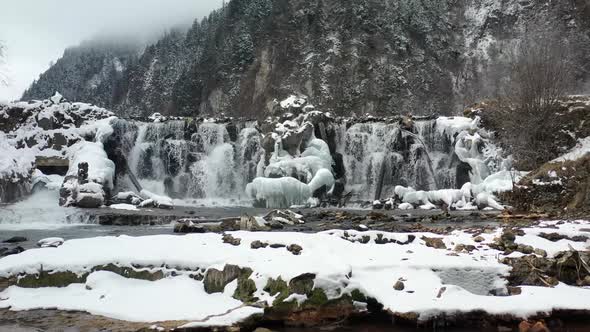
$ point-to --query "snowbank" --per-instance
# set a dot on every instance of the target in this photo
(108, 294)
(337, 258)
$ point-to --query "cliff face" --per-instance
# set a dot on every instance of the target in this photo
(348, 57)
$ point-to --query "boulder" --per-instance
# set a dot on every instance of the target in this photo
(399, 286)
(286, 217)
(11, 251)
(50, 242)
(15, 239)
(216, 280)
(258, 244)
(89, 201)
(229, 239)
(434, 242)
(295, 249)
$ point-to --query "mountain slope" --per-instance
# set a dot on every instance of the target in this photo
(354, 57)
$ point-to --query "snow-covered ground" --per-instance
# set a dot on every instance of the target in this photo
(581, 150)
(436, 280)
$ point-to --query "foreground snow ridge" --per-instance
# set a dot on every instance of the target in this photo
(436, 280)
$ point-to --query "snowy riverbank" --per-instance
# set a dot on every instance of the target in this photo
(421, 274)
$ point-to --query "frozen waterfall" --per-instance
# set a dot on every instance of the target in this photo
(216, 160)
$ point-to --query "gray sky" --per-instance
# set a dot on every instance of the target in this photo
(37, 31)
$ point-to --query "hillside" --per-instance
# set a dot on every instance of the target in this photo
(372, 56)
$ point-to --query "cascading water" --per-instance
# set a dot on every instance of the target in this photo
(215, 161)
(201, 162)
(422, 158)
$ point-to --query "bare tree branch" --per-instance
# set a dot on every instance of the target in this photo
(541, 75)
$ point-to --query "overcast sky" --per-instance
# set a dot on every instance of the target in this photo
(37, 31)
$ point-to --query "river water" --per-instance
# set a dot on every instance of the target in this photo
(39, 216)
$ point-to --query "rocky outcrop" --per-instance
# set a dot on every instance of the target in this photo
(40, 133)
(216, 280)
(557, 187)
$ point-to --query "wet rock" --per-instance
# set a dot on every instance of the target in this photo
(383, 240)
(14, 187)
(186, 227)
(585, 282)
(525, 249)
(285, 217)
(50, 279)
(399, 286)
(278, 288)
(302, 284)
(506, 241)
(15, 239)
(89, 201)
(378, 205)
(540, 252)
(216, 280)
(11, 251)
(499, 292)
(229, 239)
(258, 244)
(128, 197)
(277, 245)
(248, 223)
(514, 290)
(478, 239)
(275, 225)
(434, 242)
(464, 247)
(554, 237)
(246, 287)
(295, 249)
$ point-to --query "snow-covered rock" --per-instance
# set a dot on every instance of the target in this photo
(50, 242)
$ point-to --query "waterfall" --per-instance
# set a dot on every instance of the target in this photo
(422, 158)
(215, 161)
(200, 162)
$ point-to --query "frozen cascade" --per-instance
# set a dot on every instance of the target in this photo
(201, 162)
(217, 160)
(420, 159)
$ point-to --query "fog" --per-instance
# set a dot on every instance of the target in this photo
(36, 32)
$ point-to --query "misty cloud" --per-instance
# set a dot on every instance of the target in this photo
(36, 32)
